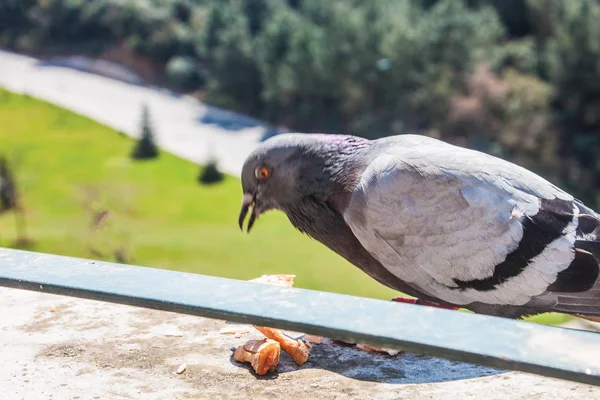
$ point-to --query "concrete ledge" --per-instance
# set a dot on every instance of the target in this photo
(56, 347)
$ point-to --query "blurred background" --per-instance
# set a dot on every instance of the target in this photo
(124, 123)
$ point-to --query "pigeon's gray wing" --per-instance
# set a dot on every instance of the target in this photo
(467, 228)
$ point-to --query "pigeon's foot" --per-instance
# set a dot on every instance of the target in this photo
(422, 303)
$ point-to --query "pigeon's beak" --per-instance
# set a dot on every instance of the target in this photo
(248, 204)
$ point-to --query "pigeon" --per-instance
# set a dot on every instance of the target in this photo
(447, 225)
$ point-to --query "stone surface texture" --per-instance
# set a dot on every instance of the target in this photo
(56, 347)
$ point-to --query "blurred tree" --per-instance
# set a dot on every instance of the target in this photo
(574, 65)
(545, 15)
(431, 58)
(257, 12)
(294, 59)
(574, 70)
(182, 10)
(13, 21)
(521, 55)
(361, 68)
(514, 14)
(145, 147)
(506, 115)
(233, 80)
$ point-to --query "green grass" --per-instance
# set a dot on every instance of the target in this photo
(68, 167)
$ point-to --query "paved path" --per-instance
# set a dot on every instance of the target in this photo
(183, 126)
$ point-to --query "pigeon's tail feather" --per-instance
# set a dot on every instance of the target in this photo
(577, 288)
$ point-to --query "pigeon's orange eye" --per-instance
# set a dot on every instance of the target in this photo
(262, 172)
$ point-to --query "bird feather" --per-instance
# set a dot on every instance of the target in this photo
(469, 228)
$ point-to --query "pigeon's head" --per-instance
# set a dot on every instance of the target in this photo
(287, 169)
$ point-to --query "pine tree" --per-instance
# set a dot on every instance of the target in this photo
(210, 173)
(145, 147)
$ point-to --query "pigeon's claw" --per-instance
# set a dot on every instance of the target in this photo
(423, 303)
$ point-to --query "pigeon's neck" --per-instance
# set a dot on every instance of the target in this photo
(336, 169)
(342, 157)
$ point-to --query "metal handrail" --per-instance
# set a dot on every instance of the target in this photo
(492, 341)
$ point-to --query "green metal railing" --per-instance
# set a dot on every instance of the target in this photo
(497, 342)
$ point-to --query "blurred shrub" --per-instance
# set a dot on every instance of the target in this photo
(521, 55)
(9, 196)
(183, 72)
(507, 115)
(210, 174)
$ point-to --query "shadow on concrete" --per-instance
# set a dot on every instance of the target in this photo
(228, 120)
(234, 122)
(99, 67)
(351, 362)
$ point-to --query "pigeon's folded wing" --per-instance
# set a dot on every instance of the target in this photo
(466, 228)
